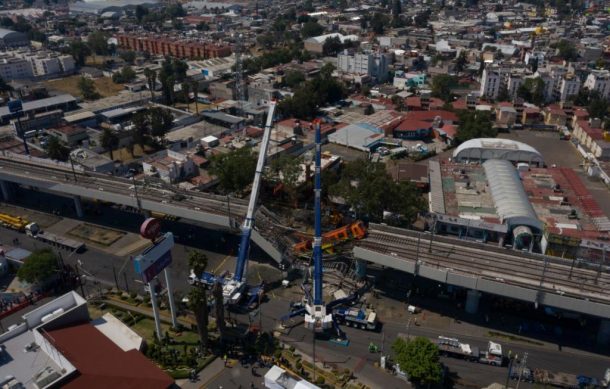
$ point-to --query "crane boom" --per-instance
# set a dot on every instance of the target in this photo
(246, 228)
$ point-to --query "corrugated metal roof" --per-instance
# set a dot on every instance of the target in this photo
(42, 103)
(510, 199)
(437, 197)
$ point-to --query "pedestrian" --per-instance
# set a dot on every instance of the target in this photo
(225, 359)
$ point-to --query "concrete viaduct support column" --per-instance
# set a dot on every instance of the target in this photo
(78, 206)
(472, 301)
(7, 190)
(603, 334)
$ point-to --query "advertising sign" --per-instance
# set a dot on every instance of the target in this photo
(155, 258)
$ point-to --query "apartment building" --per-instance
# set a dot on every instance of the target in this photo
(599, 80)
(374, 65)
(491, 82)
(159, 45)
(14, 68)
(568, 87)
(26, 64)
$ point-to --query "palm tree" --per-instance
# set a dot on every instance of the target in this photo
(198, 299)
(109, 140)
(195, 90)
(220, 309)
(151, 80)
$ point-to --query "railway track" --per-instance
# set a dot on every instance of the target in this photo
(544, 275)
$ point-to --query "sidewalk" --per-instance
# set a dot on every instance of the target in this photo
(205, 376)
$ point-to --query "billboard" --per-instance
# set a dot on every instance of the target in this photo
(155, 259)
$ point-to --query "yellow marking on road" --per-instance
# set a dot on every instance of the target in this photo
(221, 263)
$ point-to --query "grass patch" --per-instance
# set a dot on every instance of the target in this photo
(146, 329)
(95, 234)
(104, 86)
(514, 338)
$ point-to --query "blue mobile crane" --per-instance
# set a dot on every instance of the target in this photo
(234, 286)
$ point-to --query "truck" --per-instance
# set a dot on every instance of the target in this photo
(365, 319)
(16, 223)
(493, 355)
(556, 379)
(33, 230)
(452, 347)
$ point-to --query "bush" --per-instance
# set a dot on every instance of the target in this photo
(298, 365)
(133, 295)
(320, 380)
(292, 348)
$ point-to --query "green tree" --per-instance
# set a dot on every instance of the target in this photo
(109, 140)
(310, 29)
(293, 78)
(98, 42)
(359, 185)
(379, 22)
(195, 89)
(151, 81)
(235, 170)
(128, 56)
(473, 125)
(566, 50)
(419, 359)
(56, 150)
(461, 61)
(79, 51)
(141, 11)
(198, 299)
(532, 90)
(598, 106)
(87, 89)
(4, 87)
(141, 128)
(442, 85)
(219, 305)
(161, 121)
(39, 267)
(123, 76)
(286, 170)
(332, 46)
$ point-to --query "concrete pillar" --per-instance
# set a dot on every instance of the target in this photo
(7, 190)
(472, 301)
(155, 307)
(170, 296)
(78, 206)
(603, 334)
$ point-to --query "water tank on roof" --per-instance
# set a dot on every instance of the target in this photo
(522, 237)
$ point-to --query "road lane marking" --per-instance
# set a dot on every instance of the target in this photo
(221, 263)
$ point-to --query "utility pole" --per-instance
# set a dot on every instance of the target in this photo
(72, 165)
(511, 361)
(116, 280)
(523, 365)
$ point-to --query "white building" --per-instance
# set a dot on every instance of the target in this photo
(513, 84)
(599, 80)
(14, 68)
(491, 82)
(278, 378)
(170, 166)
(372, 65)
(532, 56)
(569, 86)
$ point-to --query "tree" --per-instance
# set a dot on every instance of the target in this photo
(141, 11)
(141, 124)
(475, 124)
(461, 61)
(39, 267)
(332, 46)
(151, 81)
(566, 50)
(235, 170)
(369, 110)
(597, 107)
(198, 299)
(441, 86)
(87, 89)
(419, 359)
(161, 121)
(109, 140)
(195, 89)
(396, 8)
(399, 103)
(125, 75)
(293, 78)
(4, 87)
(98, 42)
(286, 170)
(185, 89)
(128, 56)
(532, 90)
(79, 51)
(219, 304)
(359, 185)
(56, 150)
(379, 23)
(310, 29)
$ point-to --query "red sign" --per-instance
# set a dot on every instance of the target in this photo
(151, 228)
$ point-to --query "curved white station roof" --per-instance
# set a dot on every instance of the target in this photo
(510, 199)
(497, 148)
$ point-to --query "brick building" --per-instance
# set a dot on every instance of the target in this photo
(165, 46)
